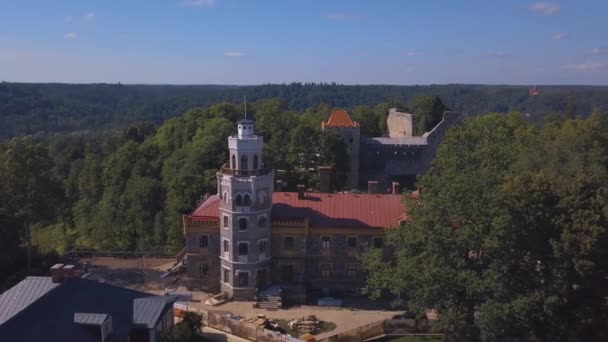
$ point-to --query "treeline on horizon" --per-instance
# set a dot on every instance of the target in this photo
(32, 108)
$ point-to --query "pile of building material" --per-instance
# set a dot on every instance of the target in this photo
(306, 325)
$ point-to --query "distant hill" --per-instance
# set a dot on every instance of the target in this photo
(27, 108)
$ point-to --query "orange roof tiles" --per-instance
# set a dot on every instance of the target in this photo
(339, 118)
(326, 210)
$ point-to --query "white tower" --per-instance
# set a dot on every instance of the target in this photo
(245, 188)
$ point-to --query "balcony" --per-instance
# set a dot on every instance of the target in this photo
(244, 173)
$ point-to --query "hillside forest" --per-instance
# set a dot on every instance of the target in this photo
(508, 237)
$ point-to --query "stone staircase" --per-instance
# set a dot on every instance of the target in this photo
(272, 303)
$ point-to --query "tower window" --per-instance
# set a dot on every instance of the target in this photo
(233, 166)
(243, 248)
(255, 162)
(242, 223)
(243, 162)
(246, 200)
(204, 241)
(262, 221)
(203, 269)
(325, 270)
(243, 279)
(289, 242)
(351, 271)
(226, 246)
(262, 246)
(352, 242)
(225, 221)
(239, 200)
(326, 242)
(226, 275)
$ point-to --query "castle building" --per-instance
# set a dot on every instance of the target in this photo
(251, 234)
(400, 157)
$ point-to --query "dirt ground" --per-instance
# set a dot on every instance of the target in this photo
(144, 274)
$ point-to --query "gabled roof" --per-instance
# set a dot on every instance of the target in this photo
(22, 295)
(51, 317)
(326, 210)
(339, 118)
(147, 311)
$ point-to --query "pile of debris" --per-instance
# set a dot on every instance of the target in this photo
(306, 324)
(268, 324)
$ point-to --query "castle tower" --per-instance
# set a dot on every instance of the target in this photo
(341, 123)
(245, 189)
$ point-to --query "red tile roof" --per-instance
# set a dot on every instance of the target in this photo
(326, 210)
(339, 118)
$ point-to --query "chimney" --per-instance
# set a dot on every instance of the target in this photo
(57, 273)
(325, 179)
(396, 189)
(372, 187)
(301, 190)
(278, 185)
(69, 271)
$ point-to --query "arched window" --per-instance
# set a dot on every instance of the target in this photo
(246, 200)
(233, 166)
(239, 200)
(255, 162)
(243, 162)
(225, 197)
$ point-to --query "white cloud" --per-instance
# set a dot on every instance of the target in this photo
(544, 8)
(70, 36)
(414, 53)
(587, 66)
(560, 35)
(88, 17)
(234, 54)
(198, 3)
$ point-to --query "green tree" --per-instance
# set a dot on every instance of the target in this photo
(31, 192)
(510, 239)
(428, 112)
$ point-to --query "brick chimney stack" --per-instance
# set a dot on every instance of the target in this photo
(57, 273)
(325, 179)
(301, 190)
(372, 187)
(396, 188)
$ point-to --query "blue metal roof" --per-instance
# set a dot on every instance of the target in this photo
(147, 311)
(22, 295)
(90, 318)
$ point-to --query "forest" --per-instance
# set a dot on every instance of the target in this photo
(508, 238)
(511, 240)
(27, 108)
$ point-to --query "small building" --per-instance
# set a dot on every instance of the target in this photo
(66, 307)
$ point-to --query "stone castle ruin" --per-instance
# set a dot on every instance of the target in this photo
(400, 157)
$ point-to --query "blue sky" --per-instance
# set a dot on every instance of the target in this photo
(276, 41)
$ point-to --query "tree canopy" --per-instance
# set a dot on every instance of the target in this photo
(508, 237)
